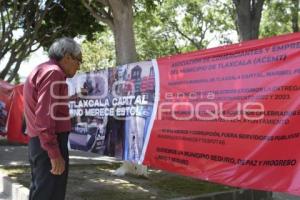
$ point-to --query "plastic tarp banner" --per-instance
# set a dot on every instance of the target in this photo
(231, 115)
(5, 101)
(15, 121)
(228, 115)
(111, 109)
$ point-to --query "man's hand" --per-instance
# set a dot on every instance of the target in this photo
(58, 166)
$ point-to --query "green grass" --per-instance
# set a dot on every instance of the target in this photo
(5, 142)
(93, 182)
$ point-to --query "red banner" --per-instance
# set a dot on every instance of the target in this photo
(16, 118)
(231, 115)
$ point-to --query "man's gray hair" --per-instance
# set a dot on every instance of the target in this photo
(62, 46)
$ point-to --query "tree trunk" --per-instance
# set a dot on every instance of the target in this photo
(248, 18)
(123, 32)
(118, 15)
(248, 21)
(295, 15)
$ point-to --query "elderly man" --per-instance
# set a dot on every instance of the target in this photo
(47, 119)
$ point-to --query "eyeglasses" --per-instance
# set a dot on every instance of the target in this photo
(77, 59)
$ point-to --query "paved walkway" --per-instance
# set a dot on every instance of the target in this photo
(281, 196)
(17, 155)
(3, 196)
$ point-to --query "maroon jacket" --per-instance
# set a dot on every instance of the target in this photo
(46, 105)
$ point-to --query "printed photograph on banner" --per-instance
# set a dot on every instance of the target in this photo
(3, 117)
(140, 83)
(111, 109)
(6, 90)
(88, 93)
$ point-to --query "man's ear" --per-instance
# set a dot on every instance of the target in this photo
(64, 61)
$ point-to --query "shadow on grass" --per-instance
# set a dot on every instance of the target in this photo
(93, 182)
(5, 142)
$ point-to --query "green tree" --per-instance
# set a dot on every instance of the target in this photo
(98, 53)
(295, 15)
(177, 26)
(67, 18)
(17, 79)
(279, 17)
(153, 40)
(15, 16)
(183, 26)
(27, 25)
(248, 19)
(172, 27)
(118, 16)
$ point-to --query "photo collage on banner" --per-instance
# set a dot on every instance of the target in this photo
(6, 90)
(110, 110)
(3, 117)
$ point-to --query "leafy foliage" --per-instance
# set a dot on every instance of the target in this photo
(67, 18)
(178, 26)
(172, 27)
(161, 27)
(277, 18)
(20, 21)
(99, 53)
(37, 23)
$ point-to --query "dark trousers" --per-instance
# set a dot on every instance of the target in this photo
(45, 185)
